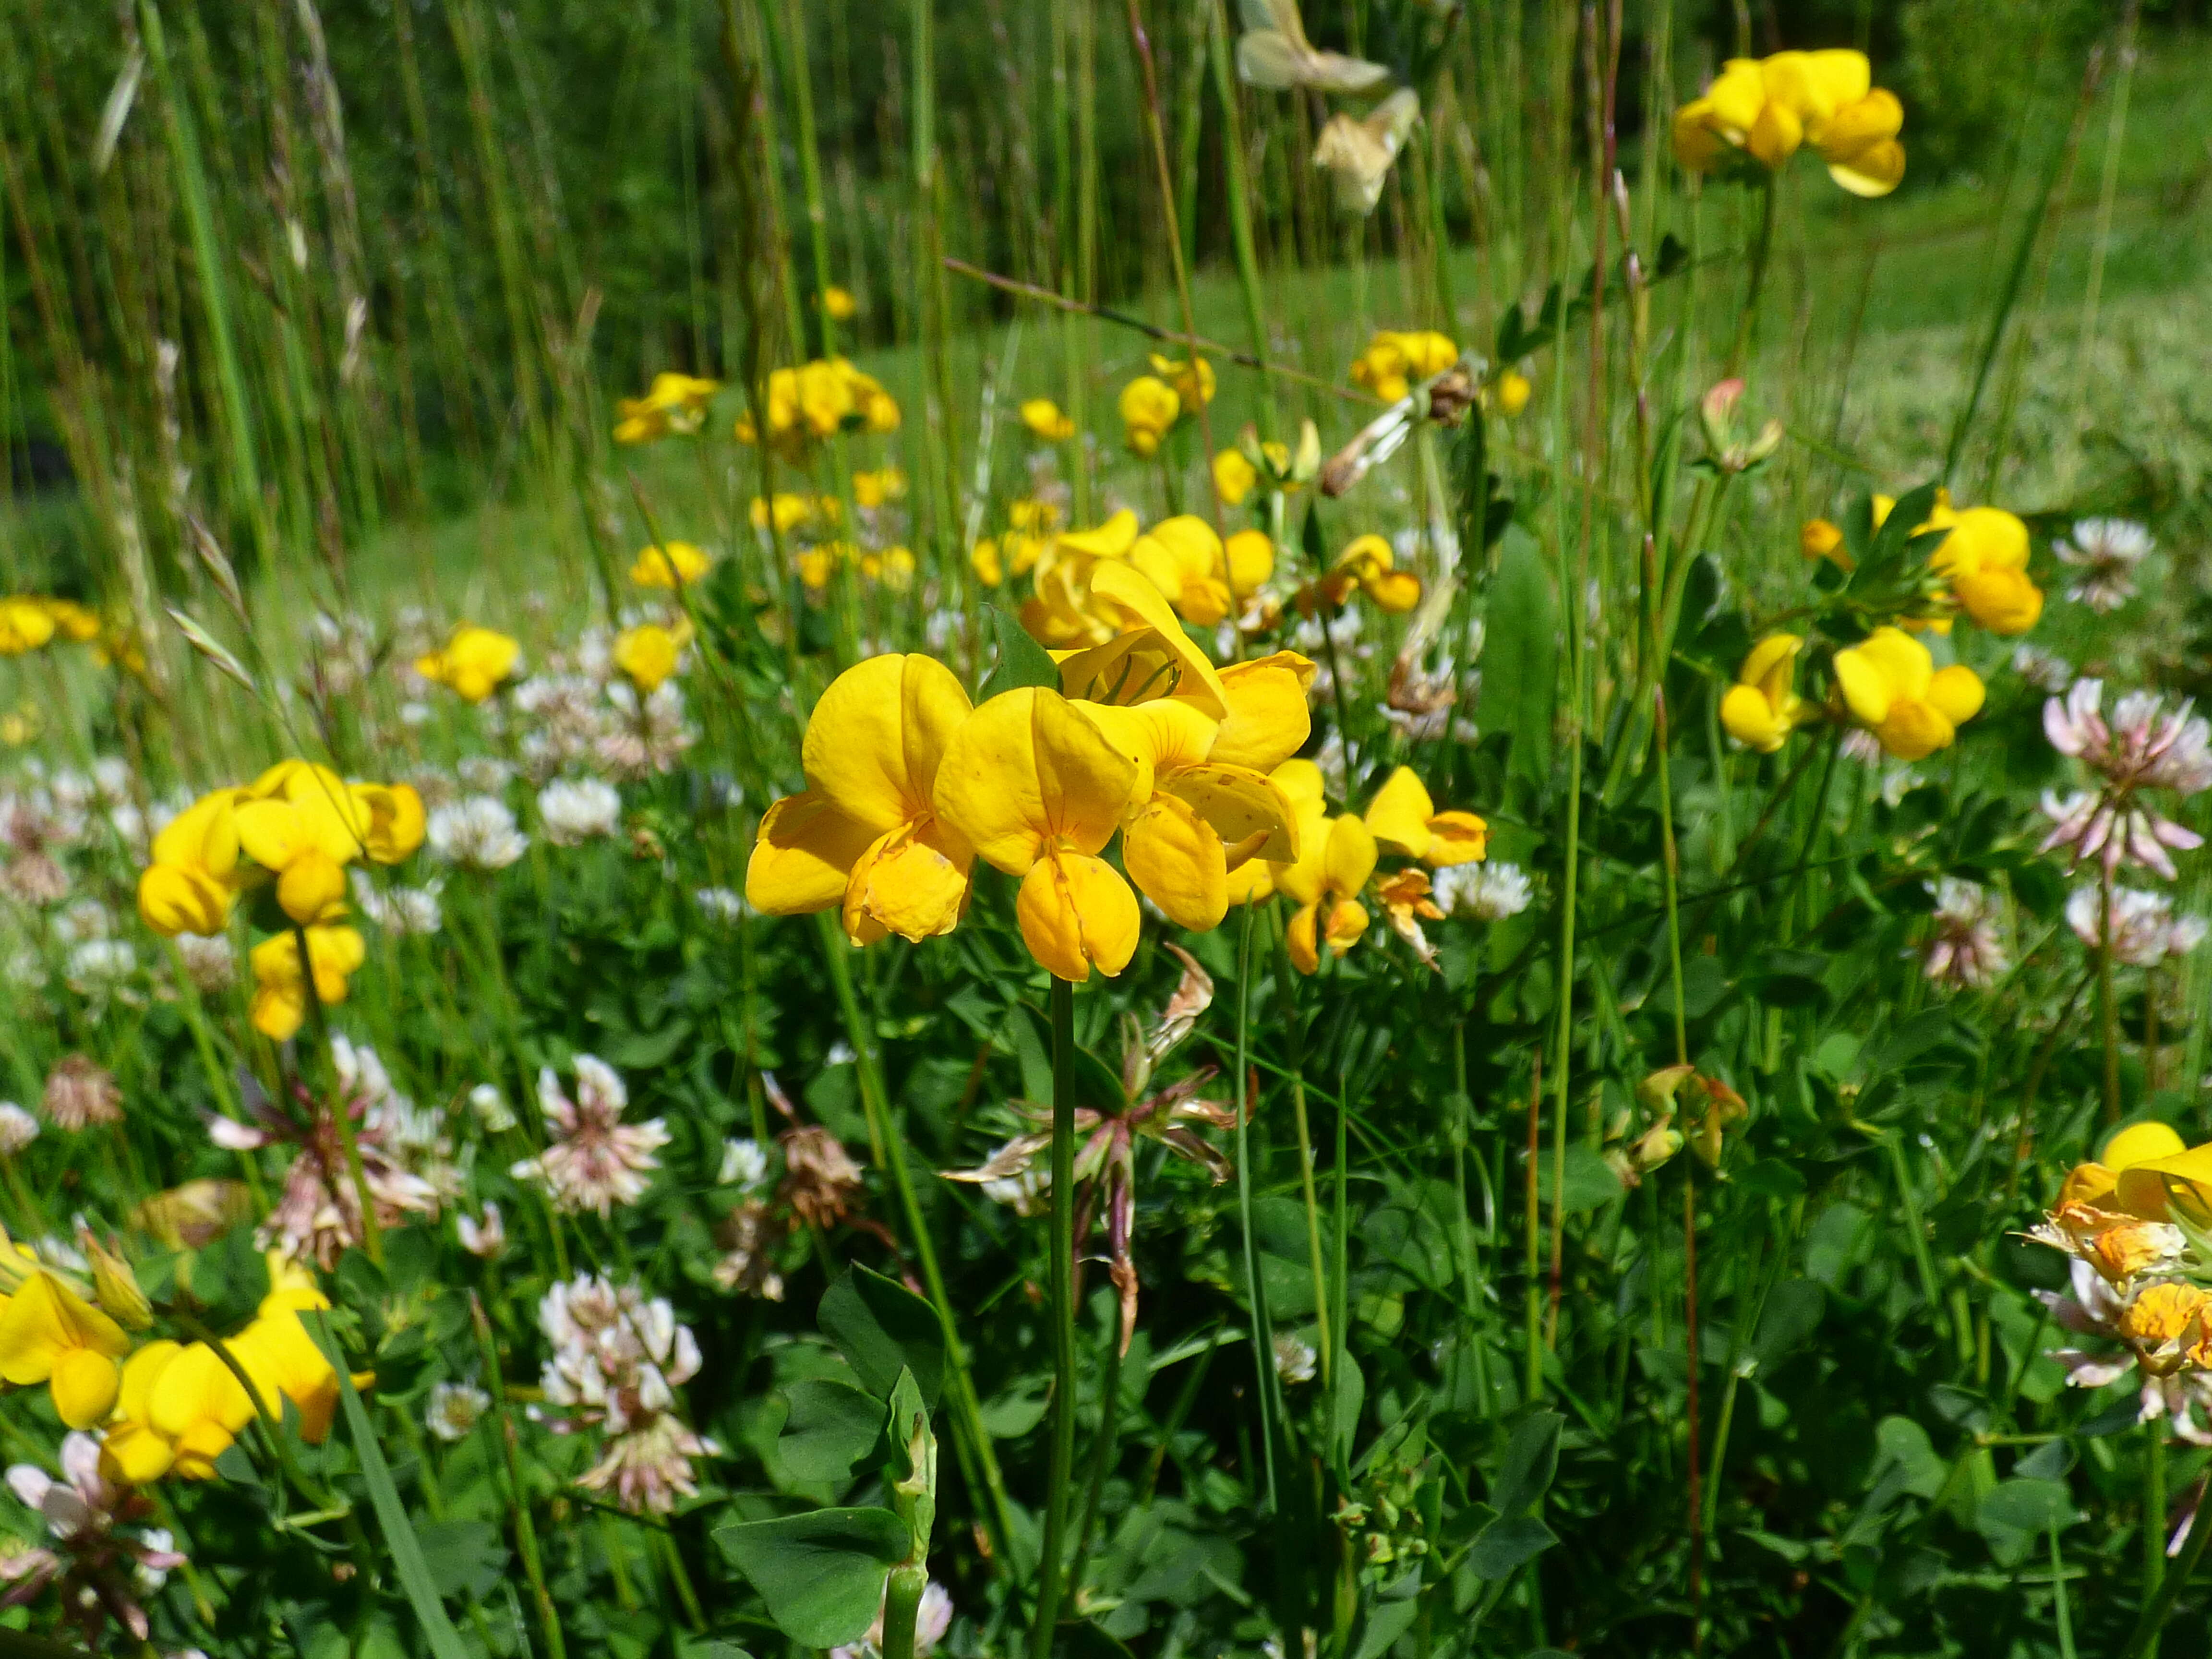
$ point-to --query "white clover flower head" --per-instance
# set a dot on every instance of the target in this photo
(744, 1165)
(2145, 930)
(454, 1409)
(491, 1108)
(18, 1128)
(595, 1160)
(723, 905)
(1295, 1359)
(476, 833)
(1482, 892)
(2108, 552)
(210, 961)
(577, 810)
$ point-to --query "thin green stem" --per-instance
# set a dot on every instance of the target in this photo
(518, 1495)
(1061, 1472)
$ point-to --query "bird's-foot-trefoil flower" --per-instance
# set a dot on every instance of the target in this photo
(1762, 708)
(1892, 686)
(473, 663)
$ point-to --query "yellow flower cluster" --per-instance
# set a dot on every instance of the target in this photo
(818, 400)
(679, 564)
(27, 621)
(674, 406)
(1764, 110)
(908, 784)
(296, 829)
(1029, 527)
(1272, 466)
(1982, 563)
(1152, 403)
(2138, 1214)
(791, 512)
(1202, 576)
(473, 663)
(1887, 682)
(894, 566)
(1366, 566)
(179, 1406)
(1394, 362)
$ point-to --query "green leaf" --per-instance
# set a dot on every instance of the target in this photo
(822, 1573)
(408, 1561)
(1505, 1543)
(1022, 661)
(1520, 658)
(1532, 1457)
(465, 1557)
(1019, 1408)
(831, 1426)
(1387, 1622)
(2012, 1517)
(879, 1325)
(1792, 1313)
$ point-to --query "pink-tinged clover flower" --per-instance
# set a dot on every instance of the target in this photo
(104, 1556)
(2142, 746)
(595, 1161)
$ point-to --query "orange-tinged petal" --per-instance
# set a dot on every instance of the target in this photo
(804, 855)
(1348, 920)
(1457, 837)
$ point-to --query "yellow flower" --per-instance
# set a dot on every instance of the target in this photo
(1182, 557)
(1402, 818)
(983, 559)
(840, 304)
(1894, 689)
(1336, 857)
(817, 400)
(675, 403)
(474, 663)
(49, 1334)
(1250, 556)
(1150, 408)
(194, 876)
(280, 988)
(2162, 1315)
(1192, 378)
(1060, 612)
(1368, 565)
(1510, 392)
(1038, 791)
(790, 511)
(1762, 708)
(1233, 478)
(1045, 418)
(866, 833)
(1394, 361)
(25, 625)
(1405, 905)
(1985, 560)
(1766, 109)
(73, 621)
(1147, 654)
(873, 488)
(648, 654)
(893, 568)
(1819, 539)
(2149, 1186)
(679, 564)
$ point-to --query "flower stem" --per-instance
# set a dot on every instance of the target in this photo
(1762, 245)
(2153, 1515)
(526, 1533)
(1671, 866)
(2108, 1006)
(1262, 1339)
(372, 1236)
(1283, 977)
(2155, 1612)
(1062, 1468)
(901, 1603)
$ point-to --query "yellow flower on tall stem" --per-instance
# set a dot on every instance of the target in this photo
(1368, 566)
(679, 564)
(1763, 110)
(1038, 791)
(867, 834)
(1149, 407)
(648, 654)
(1403, 818)
(1336, 860)
(281, 982)
(1045, 419)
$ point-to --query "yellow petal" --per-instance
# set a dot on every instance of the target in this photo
(1776, 135)
(2003, 601)
(1737, 94)
(1249, 882)
(1755, 722)
(1348, 920)
(1915, 730)
(1774, 651)
(395, 820)
(1888, 665)
(1116, 586)
(908, 884)
(197, 1391)
(1300, 937)
(2139, 1143)
(1269, 719)
(312, 888)
(2145, 1189)
(1349, 858)
(802, 856)
(1399, 813)
(1874, 171)
(1110, 540)
(183, 899)
(1250, 556)
(1457, 838)
(1176, 860)
(44, 1322)
(1956, 692)
(1160, 735)
(1027, 770)
(203, 834)
(875, 738)
(1300, 781)
(1394, 592)
(83, 1387)
(1076, 911)
(133, 1455)
(1246, 808)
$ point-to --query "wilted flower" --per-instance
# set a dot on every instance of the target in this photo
(573, 811)
(595, 1161)
(102, 1552)
(618, 1359)
(1483, 892)
(478, 833)
(486, 1238)
(2107, 552)
(1965, 951)
(1274, 53)
(749, 1237)
(454, 1409)
(81, 1094)
(1356, 151)
(820, 1180)
(2145, 930)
